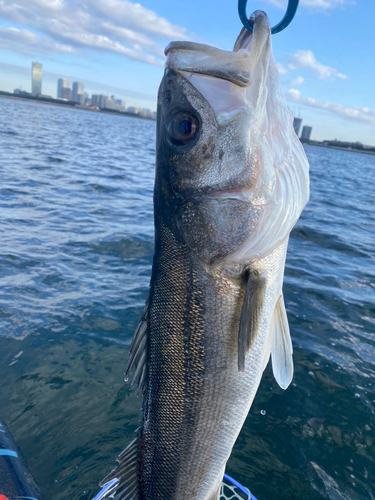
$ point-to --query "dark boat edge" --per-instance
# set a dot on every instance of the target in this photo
(16, 480)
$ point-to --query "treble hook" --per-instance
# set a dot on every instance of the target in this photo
(286, 20)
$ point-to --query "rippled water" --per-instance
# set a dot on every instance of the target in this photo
(76, 247)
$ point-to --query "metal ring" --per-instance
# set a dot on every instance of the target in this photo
(286, 20)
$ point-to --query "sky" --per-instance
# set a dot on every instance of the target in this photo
(325, 56)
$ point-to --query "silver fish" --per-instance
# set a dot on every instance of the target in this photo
(231, 182)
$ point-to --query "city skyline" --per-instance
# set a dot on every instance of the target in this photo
(116, 47)
(102, 101)
(135, 98)
(78, 95)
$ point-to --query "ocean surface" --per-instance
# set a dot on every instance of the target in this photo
(76, 225)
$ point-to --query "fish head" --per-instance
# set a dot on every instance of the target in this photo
(199, 160)
(217, 172)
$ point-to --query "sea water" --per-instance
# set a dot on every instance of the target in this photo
(76, 226)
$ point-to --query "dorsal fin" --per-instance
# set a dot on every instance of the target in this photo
(127, 487)
(138, 352)
(251, 314)
(282, 349)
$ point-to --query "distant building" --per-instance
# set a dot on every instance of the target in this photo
(66, 93)
(80, 98)
(121, 102)
(110, 104)
(62, 83)
(102, 101)
(86, 99)
(115, 104)
(306, 133)
(36, 78)
(297, 125)
(77, 91)
(133, 110)
(17, 91)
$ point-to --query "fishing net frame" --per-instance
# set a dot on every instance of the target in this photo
(233, 490)
(230, 490)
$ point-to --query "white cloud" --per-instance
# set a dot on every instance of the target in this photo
(364, 115)
(313, 4)
(135, 15)
(27, 42)
(47, 4)
(133, 37)
(118, 26)
(282, 69)
(306, 59)
(298, 81)
(326, 4)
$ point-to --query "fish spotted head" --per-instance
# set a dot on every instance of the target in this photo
(231, 174)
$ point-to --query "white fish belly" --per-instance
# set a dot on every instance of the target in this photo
(228, 393)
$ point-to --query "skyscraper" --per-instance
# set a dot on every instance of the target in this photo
(62, 83)
(66, 91)
(306, 133)
(36, 78)
(102, 101)
(297, 125)
(77, 91)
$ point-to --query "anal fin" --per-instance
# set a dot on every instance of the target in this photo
(126, 473)
(138, 352)
(123, 482)
(251, 315)
(282, 349)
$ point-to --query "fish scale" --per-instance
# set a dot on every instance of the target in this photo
(175, 363)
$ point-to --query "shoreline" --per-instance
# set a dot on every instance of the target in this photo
(363, 151)
(75, 107)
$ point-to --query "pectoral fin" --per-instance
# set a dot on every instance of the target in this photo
(282, 349)
(251, 315)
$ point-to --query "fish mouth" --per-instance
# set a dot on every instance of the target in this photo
(229, 194)
(246, 195)
(201, 59)
(217, 194)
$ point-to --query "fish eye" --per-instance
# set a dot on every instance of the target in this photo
(183, 127)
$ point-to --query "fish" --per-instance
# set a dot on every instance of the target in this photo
(232, 179)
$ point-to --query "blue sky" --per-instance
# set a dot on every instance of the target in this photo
(326, 56)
